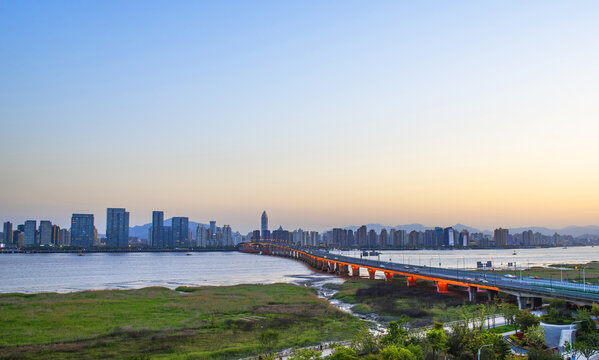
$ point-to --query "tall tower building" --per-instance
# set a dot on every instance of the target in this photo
(264, 224)
(82, 230)
(157, 233)
(55, 235)
(117, 227)
(7, 233)
(45, 232)
(501, 236)
(212, 231)
(29, 233)
(180, 232)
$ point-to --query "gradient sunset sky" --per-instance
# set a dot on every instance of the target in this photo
(322, 113)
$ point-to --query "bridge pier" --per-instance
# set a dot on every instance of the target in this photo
(344, 270)
(472, 294)
(527, 302)
(332, 267)
(441, 287)
(355, 271)
(491, 295)
(371, 273)
(389, 276)
(411, 280)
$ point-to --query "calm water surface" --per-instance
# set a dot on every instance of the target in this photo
(31, 273)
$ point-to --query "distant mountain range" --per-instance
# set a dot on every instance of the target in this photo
(576, 231)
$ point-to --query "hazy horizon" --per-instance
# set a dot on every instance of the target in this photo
(323, 113)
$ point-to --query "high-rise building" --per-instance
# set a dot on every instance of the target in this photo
(361, 236)
(7, 233)
(55, 241)
(227, 236)
(528, 238)
(281, 235)
(157, 231)
(464, 234)
(180, 227)
(203, 236)
(384, 238)
(117, 227)
(82, 230)
(65, 237)
(449, 238)
(45, 233)
(373, 239)
(501, 236)
(212, 231)
(29, 233)
(339, 238)
(264, 225)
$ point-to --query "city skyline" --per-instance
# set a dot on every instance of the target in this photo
(325, 114)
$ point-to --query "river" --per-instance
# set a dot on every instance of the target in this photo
(60, 272)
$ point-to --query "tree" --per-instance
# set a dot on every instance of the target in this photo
(437, 339)
(539, 354)
(587, 346)
(416, 350)
(508, 311)
(524, 319)
(487, 353)
(595, 310)
(396, 334)
(343, 353)
(306, 354)
(393, 352)
(365, 342)
(535, 335)
(268, 338)
(587, 341)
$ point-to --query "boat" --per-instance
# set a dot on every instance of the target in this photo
(514, 253)
(188, 253)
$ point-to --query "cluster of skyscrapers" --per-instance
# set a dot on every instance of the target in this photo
(83, 233)
(180, 235)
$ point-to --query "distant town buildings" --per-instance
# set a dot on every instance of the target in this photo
(177, 233)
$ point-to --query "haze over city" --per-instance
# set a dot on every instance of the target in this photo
(325, 114)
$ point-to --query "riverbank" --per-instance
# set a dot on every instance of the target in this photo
(158, 323)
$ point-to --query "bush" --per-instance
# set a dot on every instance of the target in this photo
(343, 353)
(393, 352)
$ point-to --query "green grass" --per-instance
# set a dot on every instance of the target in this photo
(203, 323)
(502, 329)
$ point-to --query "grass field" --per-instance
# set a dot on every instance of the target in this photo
(569, 272)
(392, 300)
(158, 323)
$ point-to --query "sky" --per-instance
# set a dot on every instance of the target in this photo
(322, 113)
